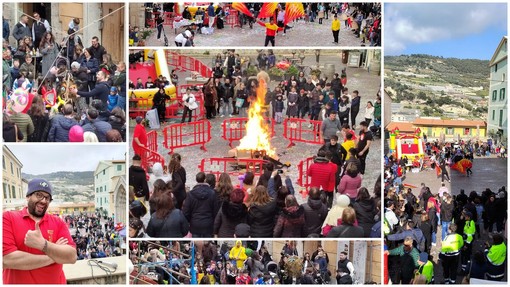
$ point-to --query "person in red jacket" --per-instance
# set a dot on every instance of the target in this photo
(323, 176)
(271, 29)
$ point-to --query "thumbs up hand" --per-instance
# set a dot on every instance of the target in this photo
(34, 238)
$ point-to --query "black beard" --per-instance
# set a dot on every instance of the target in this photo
(32, 210)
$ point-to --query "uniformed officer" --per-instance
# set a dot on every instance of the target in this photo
(496, 256)
(469, 232)
(426, 267)
(450, 251)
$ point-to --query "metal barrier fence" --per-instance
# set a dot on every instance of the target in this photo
(303, 180)
(187, 134)
(234, 129)
(186, 63)
(301, 130)
(177, 107)
(231, 166)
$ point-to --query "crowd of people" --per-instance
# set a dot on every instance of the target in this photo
(230, 92)
(72, 94)
(464, 230)
(96, 236)
(239, 262)
(256, 207)
(363, 19)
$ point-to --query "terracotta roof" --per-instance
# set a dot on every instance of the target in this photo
(448, 123)
(402, 127)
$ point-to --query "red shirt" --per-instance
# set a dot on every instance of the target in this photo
(15, 226)
(139, 133)
(270, 28)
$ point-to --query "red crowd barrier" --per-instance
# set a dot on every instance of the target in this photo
(299, 130)
(186, 63)
(234, 129)
(152, 141)
(233, 18)
(173, 110)
(149, 158)
(232, 166)
(187, 134)
(303, 179)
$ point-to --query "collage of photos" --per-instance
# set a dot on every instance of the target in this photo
(243, 143)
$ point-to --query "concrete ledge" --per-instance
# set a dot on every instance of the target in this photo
(82, 273)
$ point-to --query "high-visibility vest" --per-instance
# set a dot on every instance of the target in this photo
(427, 270)
(452, 244)
(497, 254)
(386, 227)
(469, 230)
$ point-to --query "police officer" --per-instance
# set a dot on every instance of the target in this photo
(450, 251)
(426, 267)
(469, 232)
(496, 256)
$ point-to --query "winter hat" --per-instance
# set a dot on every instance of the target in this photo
(75, 65)
(242, 230)
(113, 89)
(424, 257)
(38, 184)
(76, 134)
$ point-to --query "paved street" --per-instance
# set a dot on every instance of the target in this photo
(242, 37)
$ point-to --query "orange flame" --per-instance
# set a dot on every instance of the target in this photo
(258, 135)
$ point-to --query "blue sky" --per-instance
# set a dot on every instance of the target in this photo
(460, 30)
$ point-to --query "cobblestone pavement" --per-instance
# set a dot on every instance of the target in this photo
(358, 79)
(300, 35)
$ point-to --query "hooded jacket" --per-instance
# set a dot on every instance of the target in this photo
(230, 215)
(60, 126)
(315, 214)
(261, 219)
(100, 128)
(290, 223)
(199, 208)
(138, 179)
(173, 225)
(365, 212)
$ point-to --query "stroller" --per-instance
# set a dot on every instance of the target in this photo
(272, 269)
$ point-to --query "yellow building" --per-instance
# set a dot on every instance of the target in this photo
(452, 129)
(72, 208)
(13, 192)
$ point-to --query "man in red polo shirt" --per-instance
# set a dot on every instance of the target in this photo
(36, 244)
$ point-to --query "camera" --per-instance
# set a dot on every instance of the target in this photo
(280, 171)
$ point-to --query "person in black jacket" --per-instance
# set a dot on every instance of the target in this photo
(138, 179)
(365, 210)
(159, 103)
(101, 89)
(178, 179)
(261, 213)
(231, 213)
(199, 208)
(315, 212)
(167, 221)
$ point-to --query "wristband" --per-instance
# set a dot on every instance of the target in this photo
(45, 248)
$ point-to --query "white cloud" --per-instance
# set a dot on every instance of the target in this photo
(407, 24)
(47, 158)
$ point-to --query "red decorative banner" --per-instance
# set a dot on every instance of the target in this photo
(241, 7)
(267, 10)
(293, 11)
